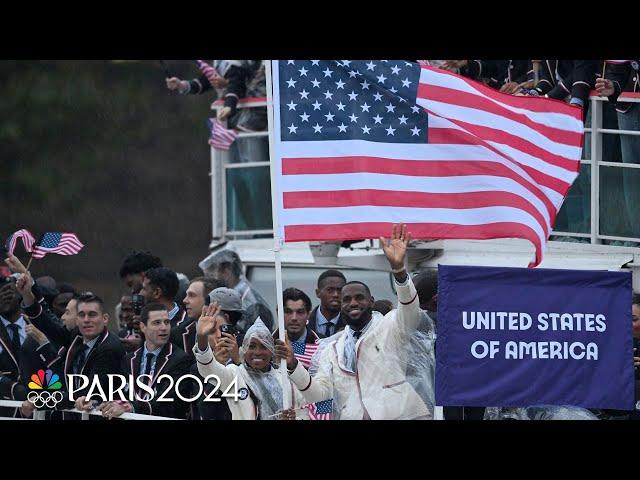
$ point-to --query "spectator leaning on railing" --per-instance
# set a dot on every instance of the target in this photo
(236, 79)
(624, 76)
(577, 79)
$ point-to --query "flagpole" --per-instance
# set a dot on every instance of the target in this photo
(277, 240)
(35, 244)
(536, 72)
(29, 262)
(26, 319)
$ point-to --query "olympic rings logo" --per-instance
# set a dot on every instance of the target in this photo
(45, 398)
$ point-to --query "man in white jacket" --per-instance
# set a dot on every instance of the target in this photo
(364, 368)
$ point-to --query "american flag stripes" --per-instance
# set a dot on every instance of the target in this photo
(221, 136)
(27, 240)
(361, 145)
(208, 71)
(60, 243)
(304, 352)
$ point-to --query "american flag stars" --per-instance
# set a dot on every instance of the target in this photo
(351, 99)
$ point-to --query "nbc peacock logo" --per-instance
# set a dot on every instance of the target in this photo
(45, 381)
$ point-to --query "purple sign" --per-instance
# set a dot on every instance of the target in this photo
(515, 337)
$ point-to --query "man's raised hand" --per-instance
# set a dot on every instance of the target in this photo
(207, 321)
(23, 285)
(604, 87)
(395, 249)
(284, 350)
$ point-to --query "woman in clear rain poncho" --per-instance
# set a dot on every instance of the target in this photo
(258, 385)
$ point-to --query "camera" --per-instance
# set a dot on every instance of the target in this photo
(230, 329)
(137, 302)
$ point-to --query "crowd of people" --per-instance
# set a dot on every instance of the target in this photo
(565, 80)
(572, 81)
(350, 357)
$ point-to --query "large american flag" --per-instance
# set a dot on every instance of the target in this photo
(27, 240)
(56, 242)
(304, 352)
(363, 144)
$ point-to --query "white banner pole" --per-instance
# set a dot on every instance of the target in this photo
(277, 240)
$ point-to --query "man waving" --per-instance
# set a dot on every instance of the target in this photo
(364, 369)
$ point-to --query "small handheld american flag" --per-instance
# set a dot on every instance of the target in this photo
(56, 242)
(210, 72)
(320, 410)
(27, 240)
(304, 352)
(221, 136)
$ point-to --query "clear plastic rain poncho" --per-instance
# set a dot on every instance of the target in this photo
(421, 365)
(253, 303)
(410, 361)
(541, 412)
(266, 385)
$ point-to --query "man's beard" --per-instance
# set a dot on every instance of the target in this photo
(361, 321)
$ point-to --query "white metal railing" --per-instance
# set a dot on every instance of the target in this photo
(595, 161)
(220, 165)
(40, 414)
